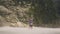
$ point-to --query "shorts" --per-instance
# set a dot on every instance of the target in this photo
(30, 25)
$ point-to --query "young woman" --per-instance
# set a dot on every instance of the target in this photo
(30, 22)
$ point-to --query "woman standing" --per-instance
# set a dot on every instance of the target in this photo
(30, 22)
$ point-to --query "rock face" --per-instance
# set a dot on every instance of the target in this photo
(10, 16)
(11, 13)
(5, 16)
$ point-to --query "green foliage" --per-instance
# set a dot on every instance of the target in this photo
(44, 12)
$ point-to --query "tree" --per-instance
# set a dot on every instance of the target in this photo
(44, 11)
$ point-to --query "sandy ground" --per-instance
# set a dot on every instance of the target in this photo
(34, 30)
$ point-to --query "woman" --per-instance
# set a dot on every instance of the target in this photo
(30, 22)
